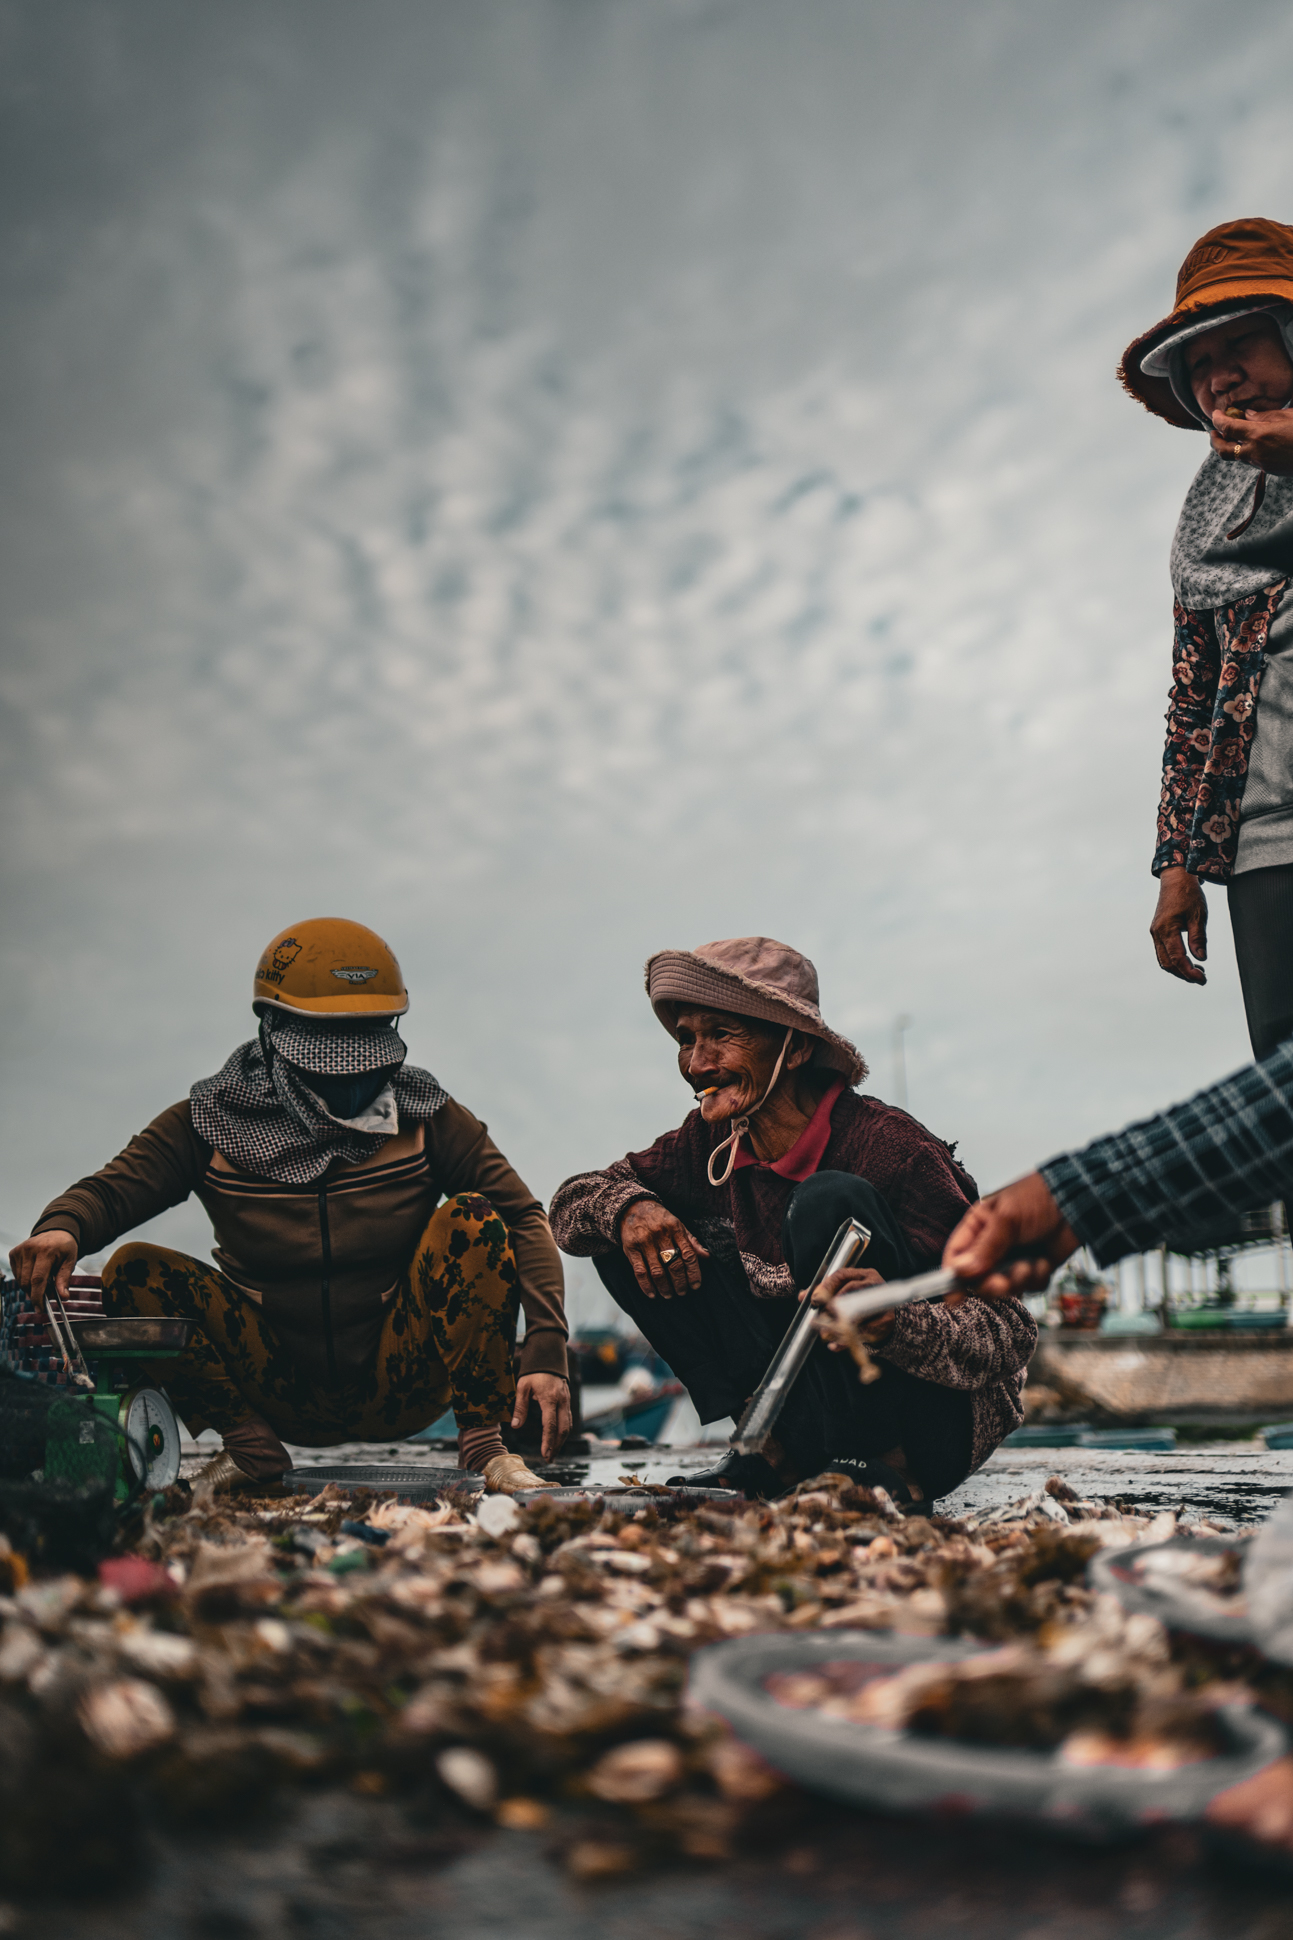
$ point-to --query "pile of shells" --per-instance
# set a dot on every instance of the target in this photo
(522, 1663)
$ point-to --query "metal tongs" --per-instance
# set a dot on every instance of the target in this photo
(768, 1399)
(845, 1250)
(899, 1293)
(73, 1359)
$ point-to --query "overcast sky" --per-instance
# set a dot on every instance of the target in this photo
(552, 479)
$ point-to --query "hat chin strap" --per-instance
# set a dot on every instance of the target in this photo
(742, 1125)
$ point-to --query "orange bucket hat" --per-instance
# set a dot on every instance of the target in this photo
(1248, 258)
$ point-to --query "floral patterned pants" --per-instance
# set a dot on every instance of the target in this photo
(446, 1341)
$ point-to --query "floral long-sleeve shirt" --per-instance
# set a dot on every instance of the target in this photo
(1217, 661)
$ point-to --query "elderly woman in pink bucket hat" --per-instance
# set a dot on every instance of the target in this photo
(705, 1237)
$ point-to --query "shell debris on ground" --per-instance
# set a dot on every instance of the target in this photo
(527, 1662)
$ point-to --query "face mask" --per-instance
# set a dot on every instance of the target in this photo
(348, 1096)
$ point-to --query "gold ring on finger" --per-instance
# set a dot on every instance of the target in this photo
(668, 1253)
(1239, 451)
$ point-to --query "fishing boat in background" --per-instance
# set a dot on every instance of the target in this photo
(627, 1390)
(1191, 1347)
(620, 1390)
(1198, 1377)
(641, 1408)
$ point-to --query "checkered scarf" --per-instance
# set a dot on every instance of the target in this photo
(259, 1111)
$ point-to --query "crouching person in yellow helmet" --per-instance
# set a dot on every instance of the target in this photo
(347, 1302)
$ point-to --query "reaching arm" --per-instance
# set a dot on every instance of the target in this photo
(45, 1261)
(1023, 1219)
(158, 1169)
(1174, 1178)
(1226, 1151)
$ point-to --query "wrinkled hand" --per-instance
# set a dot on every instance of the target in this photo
(553, 1397)
(851, 1279)
(649, 1229)
(1265, 439)
(44, 1259)
(1021, 1215)
(1182, 906)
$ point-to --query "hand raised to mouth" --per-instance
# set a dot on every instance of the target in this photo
(1260, 436)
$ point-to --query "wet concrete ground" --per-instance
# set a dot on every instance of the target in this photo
(1224, 1482)
(1220, 1481)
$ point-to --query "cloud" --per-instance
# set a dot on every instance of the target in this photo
(593, 478)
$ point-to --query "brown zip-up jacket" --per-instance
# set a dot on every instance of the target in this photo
(323, 1259)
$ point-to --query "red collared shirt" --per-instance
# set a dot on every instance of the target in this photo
(808, 1150)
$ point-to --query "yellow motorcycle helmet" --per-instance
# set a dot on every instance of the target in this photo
(327, 967)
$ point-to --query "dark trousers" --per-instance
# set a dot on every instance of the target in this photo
(1261, 917)
(720, 1338)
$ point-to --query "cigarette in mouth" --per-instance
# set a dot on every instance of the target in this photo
(709, 1091)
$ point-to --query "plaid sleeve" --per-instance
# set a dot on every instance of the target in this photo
(1186, 1172)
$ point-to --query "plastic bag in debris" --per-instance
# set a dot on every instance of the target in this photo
(58, 1473)
(1268, 1583)
(1192, 1584)
(893, 1768)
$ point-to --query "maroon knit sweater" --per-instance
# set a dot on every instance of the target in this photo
(982, 1345)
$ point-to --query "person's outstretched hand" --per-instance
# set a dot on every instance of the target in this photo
(1182, 908)
(1020, 1216)
(553, 1396)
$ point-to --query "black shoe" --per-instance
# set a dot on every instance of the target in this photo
(879, 1475)
(749, 1475)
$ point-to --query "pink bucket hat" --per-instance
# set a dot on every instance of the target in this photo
(750, 976)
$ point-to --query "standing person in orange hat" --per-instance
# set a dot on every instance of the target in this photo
(346, 1302)
(1222, 362)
